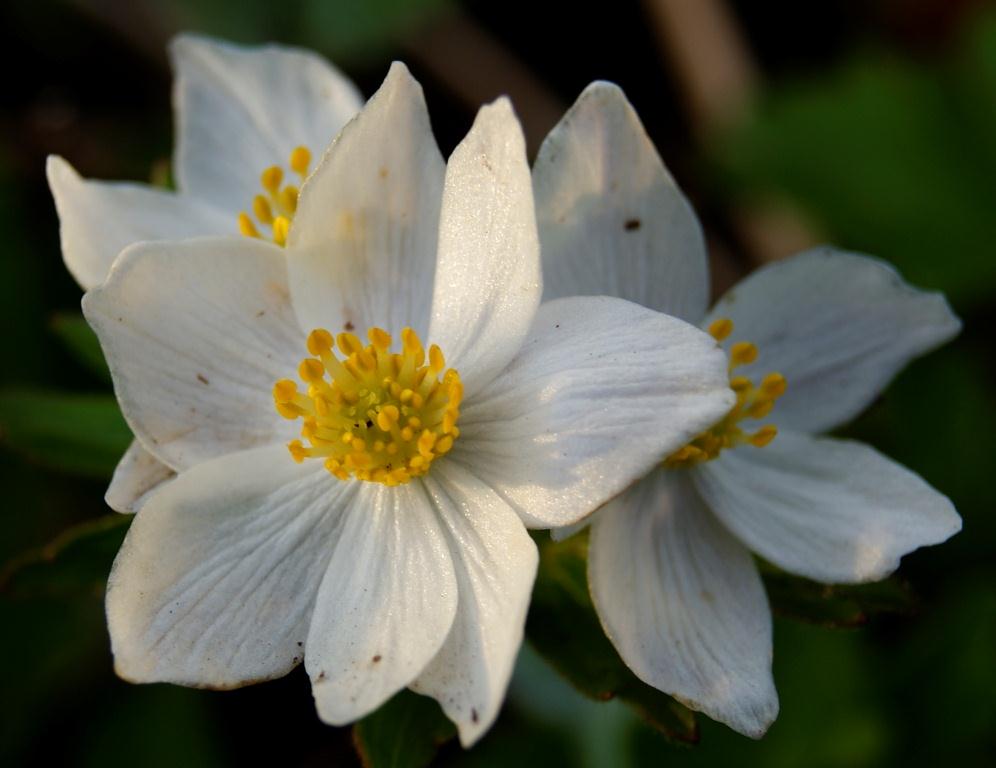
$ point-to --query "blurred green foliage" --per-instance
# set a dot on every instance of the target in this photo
(893, 159)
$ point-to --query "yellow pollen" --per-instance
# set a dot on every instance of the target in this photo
(753, 402)
(721, 328)
(276, 208)
(369, 413)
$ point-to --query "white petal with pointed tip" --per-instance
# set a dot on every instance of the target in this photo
(215, 583)
(385, 604)
(97, 219)
(137, 475)
(838, 326)
(363, 241)
(495, 562)
(602, 390)
(488, 281)
(832, 510)
(683, 603)
(195, 334)
(612, 221)
(242, 109)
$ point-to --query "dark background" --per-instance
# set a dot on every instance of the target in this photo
(868, 124)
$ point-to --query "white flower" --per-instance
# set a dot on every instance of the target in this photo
(239, 111)
(393, 553)
(670, 569)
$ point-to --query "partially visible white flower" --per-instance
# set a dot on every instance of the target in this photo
(239, 112)
(387, 548)
(817, 338)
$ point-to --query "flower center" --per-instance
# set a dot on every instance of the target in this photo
(374, 415)
(275, 209)
(753, 402)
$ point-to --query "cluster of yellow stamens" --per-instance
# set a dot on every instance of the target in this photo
(753, 402)
(379, 416)
(276, 208)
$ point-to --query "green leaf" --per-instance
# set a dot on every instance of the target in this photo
(362, 29)
(564, 628)
(836, 605)
(83, 434)
(76, 561)
(82, 342)
(404, 733)
(891, 158)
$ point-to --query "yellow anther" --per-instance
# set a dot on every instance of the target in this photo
(721, 328)
(320, 341)
(246, 227)
(299, 160)
(753, 402)
(284, 391)
(287, 200)
(436, 360)
(288, 411)
(349, 343)
(764, 435)
(412, 344)
(261, 209)
(281, 228)
(365, 415)
(740, 383)
(271, 179)
(311, 370)
(298, 451)
(277, 207)
(773, 385)
(742, 353)
(380, 339)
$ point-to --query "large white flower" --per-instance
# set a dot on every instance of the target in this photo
(239, 112)
(387, 548)
(670, 569)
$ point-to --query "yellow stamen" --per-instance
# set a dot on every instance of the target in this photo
(753, 402)
(742, 353)
(281, 228)
(299, 161)
(721, 328)
(246, 227)
(276, 208)
(271, 178)
(373, 415)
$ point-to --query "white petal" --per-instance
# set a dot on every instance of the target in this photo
(98, 219)
(196, 333)
(215, 583)
(137, 475)
(240, 110)
(838, 326)
(495, 561)
(830, 510)
(385, 604)
(602, 391)
(363, 242)
(683, 603)
(612, 221)
(488, 281)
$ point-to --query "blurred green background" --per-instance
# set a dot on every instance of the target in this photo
(871, 125)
